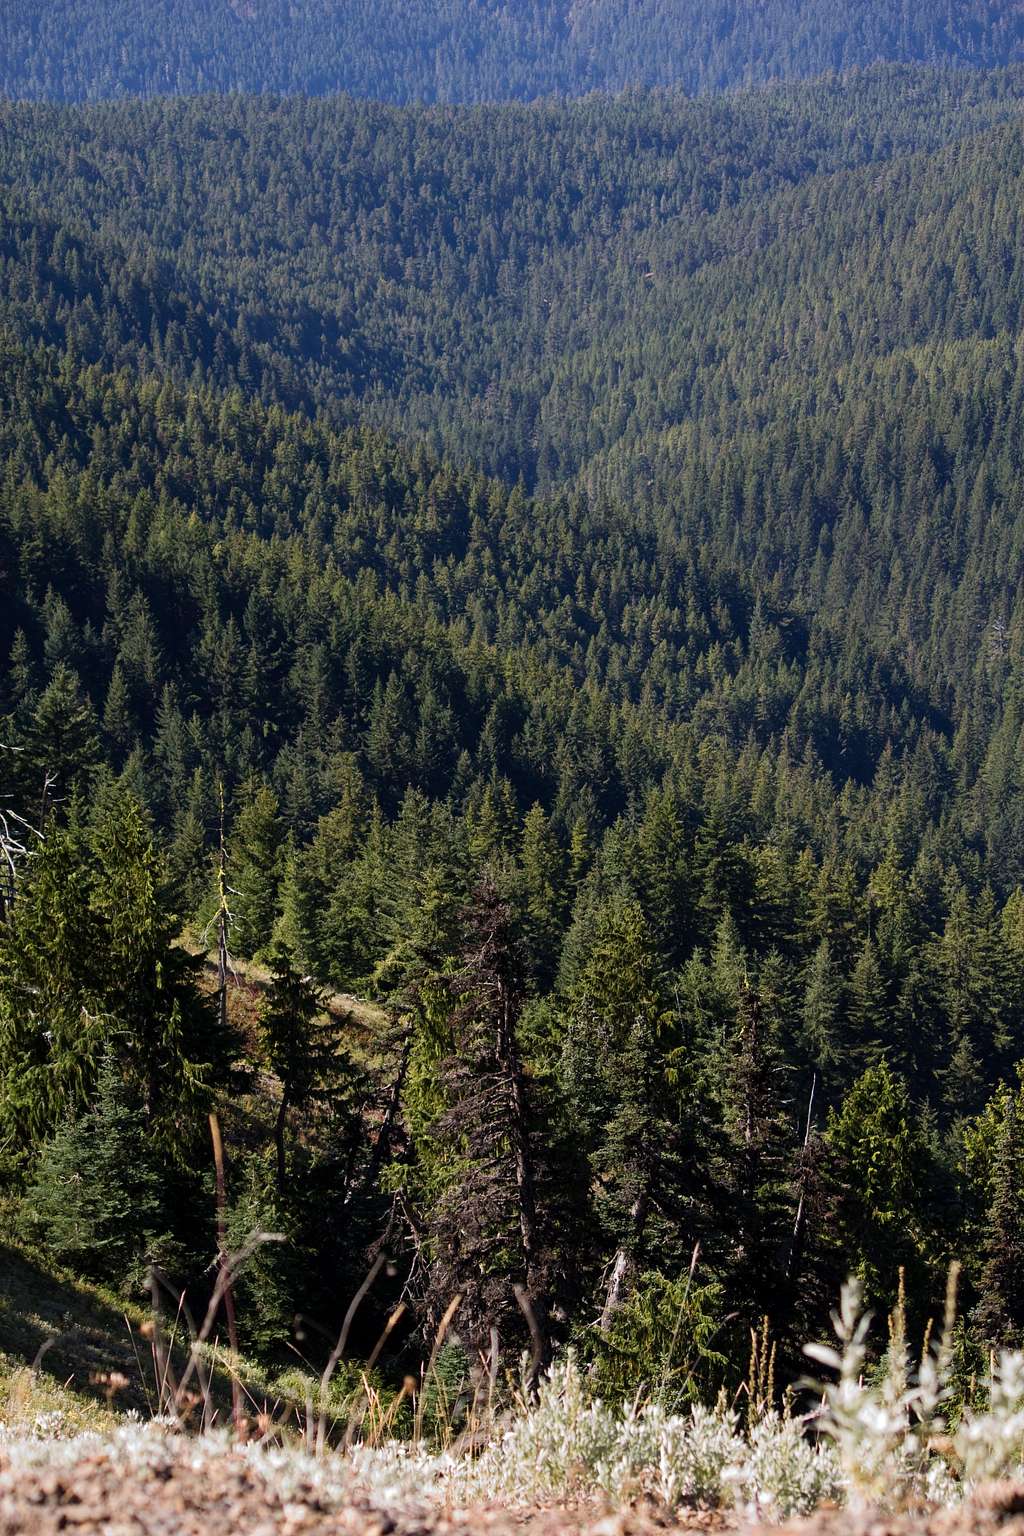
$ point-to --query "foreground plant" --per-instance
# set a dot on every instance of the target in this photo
(885, 1425)
(570, 1444)
(878, 1438)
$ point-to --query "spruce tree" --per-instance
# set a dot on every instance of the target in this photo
(543, 877)
(52, 993)
(62, 750)
(761, 1158)
(633, 1095)
(883, 1177)
(96, 1192)
(256, 868)
(163, 1029)
(301, 1045)
(999, 1314)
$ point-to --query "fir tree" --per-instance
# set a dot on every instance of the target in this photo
(257, 858)
(95, 1197)
(301, 1046)
(999, 1314)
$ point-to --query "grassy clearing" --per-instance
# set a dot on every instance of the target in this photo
(77, 1349)
(61, 1341)
(364, 1024)
(247, 976)
(34, 1403)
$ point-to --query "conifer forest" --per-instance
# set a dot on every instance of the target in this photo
(512, 672)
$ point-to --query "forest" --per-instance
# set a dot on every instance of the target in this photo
(409, 51)
(539, 583)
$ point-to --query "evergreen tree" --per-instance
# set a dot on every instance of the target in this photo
(762, 1159)
(118, 726)
(96, 1194)
(62, 749)
(632, 1094)
(999, 1314)
(158, 1022)
(543, 874)
(300, 1046)
(881, 1168)
(486, 1225)
(256, 868)
(52, 994)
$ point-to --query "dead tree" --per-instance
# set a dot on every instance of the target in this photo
(484, 1232)
(15, 836)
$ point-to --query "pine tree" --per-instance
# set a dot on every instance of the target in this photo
(301, 1046)
(633, 1097)
(822, 1012)
(21, 690)
(52, 993)
(95, 1197)
(762, 1158)
(188, 852)
(999, 1315)
(256, 868)
(665, 876)
(543, 874)
(62, 749)
(118, 726)
(882, 1171)
(163, 1029)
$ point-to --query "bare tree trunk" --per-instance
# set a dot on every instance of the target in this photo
(618, 1279)
(508, 1056)
(279, 1125)
(800, 1223)
(229, 1296)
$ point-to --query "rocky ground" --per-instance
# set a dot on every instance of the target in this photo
(996, 1510)
(108, 1491)
(172, 1489)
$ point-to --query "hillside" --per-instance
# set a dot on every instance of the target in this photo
(549, 573)
(464, 50)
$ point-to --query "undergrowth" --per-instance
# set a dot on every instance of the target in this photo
(872, 1437)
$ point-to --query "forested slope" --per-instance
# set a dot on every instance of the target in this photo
(786, 326)
(466, 50)
(573, 553)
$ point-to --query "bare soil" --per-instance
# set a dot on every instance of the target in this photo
(995, 1510)
(100, 1494)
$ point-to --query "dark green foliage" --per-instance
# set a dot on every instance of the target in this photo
(302, 1049)
(256, 869)
(665, 1340)
(1000, 1312)
(88, 969)
(97, 1190)
(760, 1125)
(481, 1215)
(880, 1164)
(582, 540)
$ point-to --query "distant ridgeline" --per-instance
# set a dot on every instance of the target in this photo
(468, 50)
(583, 541)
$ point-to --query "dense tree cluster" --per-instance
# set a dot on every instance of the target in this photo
(660, 778)
(463, 50)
